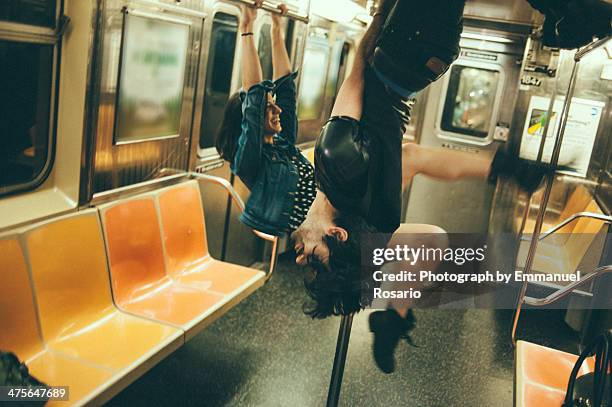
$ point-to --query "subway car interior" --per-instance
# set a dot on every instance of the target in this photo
(128, 277)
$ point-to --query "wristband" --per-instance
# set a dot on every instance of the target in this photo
(245, 34)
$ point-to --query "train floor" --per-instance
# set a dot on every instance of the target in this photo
(266, 352)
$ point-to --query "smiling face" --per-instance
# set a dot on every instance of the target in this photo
(272, 124)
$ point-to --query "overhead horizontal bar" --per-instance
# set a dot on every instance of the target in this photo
(273, 8)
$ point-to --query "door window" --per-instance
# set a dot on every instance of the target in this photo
(470, 101)
(219, 78)
(264, 50)
(312, 89)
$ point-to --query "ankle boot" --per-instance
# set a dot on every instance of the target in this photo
(388, 328)
(527, 173)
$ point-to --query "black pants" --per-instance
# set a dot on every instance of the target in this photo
(419, 41)
(383, 123)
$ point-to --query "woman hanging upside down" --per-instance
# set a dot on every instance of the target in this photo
(361, 165)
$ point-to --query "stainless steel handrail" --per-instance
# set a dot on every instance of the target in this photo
(225, 184)
(272, 8)
(578, 215)
(570, 219)
(240, 204)
(568, 289)
(590, 47)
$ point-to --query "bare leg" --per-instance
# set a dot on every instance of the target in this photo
(414, 235)
(442, 164)
(349, 101)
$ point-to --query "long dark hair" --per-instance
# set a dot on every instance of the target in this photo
(230, 128)
(348, 286)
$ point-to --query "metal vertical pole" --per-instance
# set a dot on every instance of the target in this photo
(344, 334)
(529, 197)
(542, 209)
(523, 290)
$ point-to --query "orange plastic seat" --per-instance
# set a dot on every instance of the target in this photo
(77, 315)
(562, 253)
(542, 374)
(188, 259)
(140, 283)
(20, 333)
(536, 395)
(578, 201)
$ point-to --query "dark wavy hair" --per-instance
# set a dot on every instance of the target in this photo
(345, 287)
(230, 128)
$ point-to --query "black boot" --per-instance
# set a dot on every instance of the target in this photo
(573, 23)
(527, 173)
(388, 328)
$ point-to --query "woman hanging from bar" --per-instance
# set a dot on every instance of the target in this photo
(258, 133)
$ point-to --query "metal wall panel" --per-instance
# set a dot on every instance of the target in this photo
(228, 238)
(243, 247)
(509, 203)
(120, 165)
(593, 84)
(215, 202)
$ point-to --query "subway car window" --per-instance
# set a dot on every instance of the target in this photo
(224, 40)
(219, 81)
(264, 49)
(312, 89)
(26, 72)
(31, 12)
(289, 36)
(337, 68)
(470, 101)
(153, 62)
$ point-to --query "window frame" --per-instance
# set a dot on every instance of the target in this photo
(39, 35)
(462, 137)
(208, 152)
(321, 44)
(341, 44)
(127, 14)
(33, 30)
(213, 51)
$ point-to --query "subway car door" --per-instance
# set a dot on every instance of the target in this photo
(468, 110)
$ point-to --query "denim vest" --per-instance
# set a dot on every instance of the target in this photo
(267, 168)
